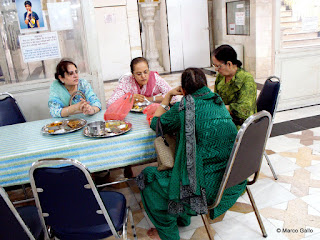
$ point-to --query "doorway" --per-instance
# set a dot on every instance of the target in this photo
(297, 52)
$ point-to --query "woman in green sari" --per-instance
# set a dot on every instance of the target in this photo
(235, 86)
(205, 137)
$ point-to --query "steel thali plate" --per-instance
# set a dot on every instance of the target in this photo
(109, 128)
(63, 126)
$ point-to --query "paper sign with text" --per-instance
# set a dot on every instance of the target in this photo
(37, 47)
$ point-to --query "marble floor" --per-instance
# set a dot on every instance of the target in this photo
(289, 206)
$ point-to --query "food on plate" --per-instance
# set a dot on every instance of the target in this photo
(137, 108)
(74, 123)
(114, 123)
(54, 124)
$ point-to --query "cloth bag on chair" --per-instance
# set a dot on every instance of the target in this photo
(165, 146)
(120, 108)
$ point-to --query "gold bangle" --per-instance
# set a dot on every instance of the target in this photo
(67, 109)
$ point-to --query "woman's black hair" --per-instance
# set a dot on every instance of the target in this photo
(27, 3)
(62, 68)
(136, 61)
(193, 79)
(225, 53)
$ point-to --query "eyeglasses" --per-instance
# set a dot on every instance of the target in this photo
(218, 67)
(71, 73)
(139, 74)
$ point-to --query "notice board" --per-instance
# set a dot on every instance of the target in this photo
(238, 17)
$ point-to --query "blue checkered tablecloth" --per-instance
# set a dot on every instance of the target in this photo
(22, 144)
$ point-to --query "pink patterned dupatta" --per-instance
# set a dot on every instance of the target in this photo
(150, 84)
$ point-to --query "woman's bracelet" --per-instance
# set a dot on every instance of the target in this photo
(154, 98)
(67, 109)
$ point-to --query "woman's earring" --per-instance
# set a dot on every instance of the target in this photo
(62, 82)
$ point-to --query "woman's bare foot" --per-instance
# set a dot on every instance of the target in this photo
(153, 234)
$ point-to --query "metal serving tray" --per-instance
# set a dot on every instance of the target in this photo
(109, 128)
(63, 126)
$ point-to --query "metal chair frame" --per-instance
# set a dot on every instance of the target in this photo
(91, 185)
(16, 214)
(236, 146)
(273, 115)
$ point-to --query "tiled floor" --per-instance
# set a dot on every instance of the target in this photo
(289, 206)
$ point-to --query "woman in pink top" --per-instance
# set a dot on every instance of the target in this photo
(142, 83)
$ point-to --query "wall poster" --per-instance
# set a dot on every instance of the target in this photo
(30, 15)
(41, 46)
(238, 17)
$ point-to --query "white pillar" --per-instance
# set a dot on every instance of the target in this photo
(148, 9)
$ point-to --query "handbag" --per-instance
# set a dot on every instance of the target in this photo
(165, 146)
(77, 93)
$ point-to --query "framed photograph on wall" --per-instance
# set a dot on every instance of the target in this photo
(238, 17)
(31, 16)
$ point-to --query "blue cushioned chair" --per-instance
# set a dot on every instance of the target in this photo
(268, 100)
(18, 224)
(10, 112)
(70, 205)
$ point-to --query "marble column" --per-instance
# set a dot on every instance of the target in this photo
(148, 9)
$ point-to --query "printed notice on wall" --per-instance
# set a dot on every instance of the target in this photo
(37, 47)
(240, 18)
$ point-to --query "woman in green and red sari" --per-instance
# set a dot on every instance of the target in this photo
(205, 139)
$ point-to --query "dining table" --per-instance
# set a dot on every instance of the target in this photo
(24, 143)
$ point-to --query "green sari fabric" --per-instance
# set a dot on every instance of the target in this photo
(240, 93)
(215, 134)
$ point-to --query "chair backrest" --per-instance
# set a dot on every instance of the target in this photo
(12, 226)
(10, 112)
(269, 95)
(66, 196)
(246, 155)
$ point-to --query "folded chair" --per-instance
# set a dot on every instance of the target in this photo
(18, 224)
(70, 206)
(10, 112)
(244, 161)
(268, 100)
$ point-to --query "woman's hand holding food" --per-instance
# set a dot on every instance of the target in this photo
(138, 98)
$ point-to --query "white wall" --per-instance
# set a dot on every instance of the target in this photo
(117, 24)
